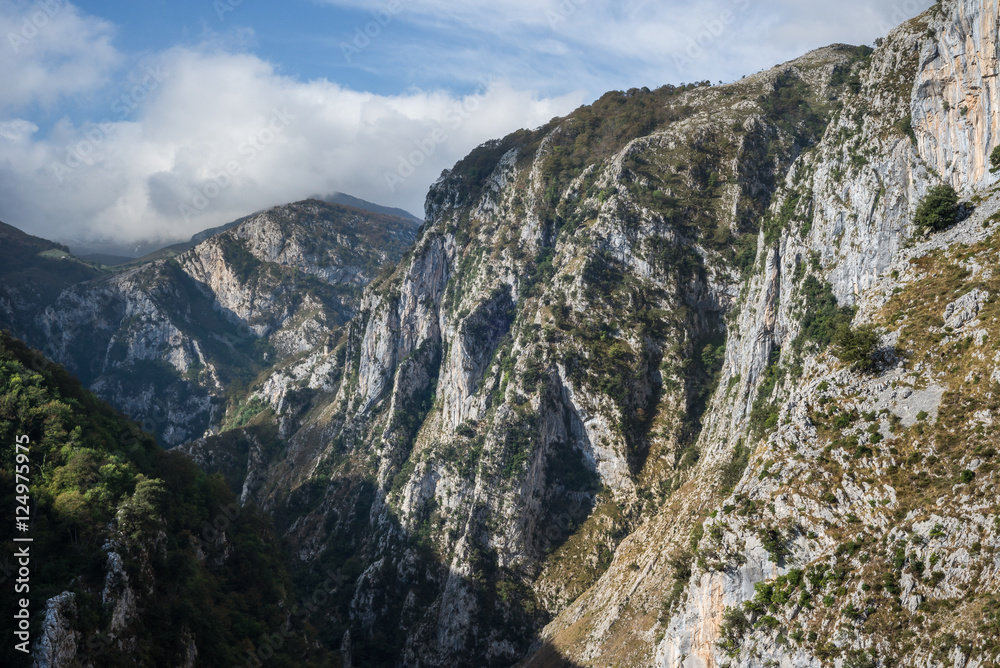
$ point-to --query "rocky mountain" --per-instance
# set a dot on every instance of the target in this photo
(699, 376)
(358, 203)
(603, 396)
(172, 341)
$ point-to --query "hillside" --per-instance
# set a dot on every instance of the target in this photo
(33, 272)
(137, 557)
(600, 396)
(171, 341)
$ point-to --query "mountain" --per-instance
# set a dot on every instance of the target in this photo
(33, 272)
(698, 376)
(347, 200)
(116, 253)
(171, 341)
(623, 405)
(136, 556)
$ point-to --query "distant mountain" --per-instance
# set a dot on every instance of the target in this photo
(33, 272)
(348, 200)
(171, 339)
(116, 253)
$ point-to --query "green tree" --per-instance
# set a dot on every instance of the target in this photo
(938, 210)
(140, 515)
(995, 160)
(857, 346)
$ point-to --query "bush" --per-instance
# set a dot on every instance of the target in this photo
(938, 210)
(995, 160)
(857, 347)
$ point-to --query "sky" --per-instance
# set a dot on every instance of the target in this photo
(155, 119)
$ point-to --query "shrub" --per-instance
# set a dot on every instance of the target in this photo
(995, 160)
(822, 314)
(734, 626)
(938, 210)
(857, 346)
(967, 477)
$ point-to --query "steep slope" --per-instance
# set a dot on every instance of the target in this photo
(863, 530)
(523, 423)
(33, 272)
(136, 557)
(530, 384)
(170, 342)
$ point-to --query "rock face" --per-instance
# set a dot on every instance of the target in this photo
(517, 429)
(956, 101)
(57, 641)
(599, 396)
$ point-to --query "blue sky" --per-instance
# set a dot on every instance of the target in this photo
(153, 119)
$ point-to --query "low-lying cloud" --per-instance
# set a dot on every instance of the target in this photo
(197, 138)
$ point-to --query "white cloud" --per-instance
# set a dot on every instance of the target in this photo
(50, 50)
(603, 45)
(17, 130)
(218, 135)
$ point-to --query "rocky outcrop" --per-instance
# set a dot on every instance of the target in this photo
(858, 229)
(57, 641)
(518, 396)
(956, 101)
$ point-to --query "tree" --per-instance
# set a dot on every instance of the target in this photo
(938, 210)
(857, 347)
(995, 160)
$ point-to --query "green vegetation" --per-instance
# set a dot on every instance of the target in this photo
(775, 225)
(243, 263)
(792, 108)
(822, 315)
(764, 413)
(905, 126)
(97, 480)
(938, 210)
(995, 160)
(733, 471)
(857, 346)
